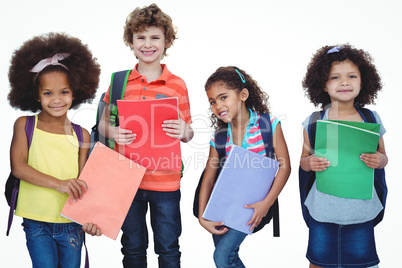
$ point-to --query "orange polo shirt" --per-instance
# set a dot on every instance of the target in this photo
(167, 85)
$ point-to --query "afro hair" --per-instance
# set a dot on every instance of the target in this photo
(83, 70)
(318, 74)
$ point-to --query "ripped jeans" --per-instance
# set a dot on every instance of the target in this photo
(54, 244)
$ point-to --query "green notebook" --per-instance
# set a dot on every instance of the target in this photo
(342, 143)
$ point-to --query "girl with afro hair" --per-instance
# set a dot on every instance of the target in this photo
(342, 80)
(50, 74)
(237, 102)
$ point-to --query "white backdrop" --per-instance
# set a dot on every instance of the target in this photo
(271, 40)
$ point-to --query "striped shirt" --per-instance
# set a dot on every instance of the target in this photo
(252, 140)
(167, 85)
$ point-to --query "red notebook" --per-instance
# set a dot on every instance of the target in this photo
(152, 148)
(112, 182)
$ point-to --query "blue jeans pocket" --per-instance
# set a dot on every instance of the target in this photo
(32, 228)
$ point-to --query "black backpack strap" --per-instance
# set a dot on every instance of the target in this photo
(379, 174)
(367, 115)
(267, 133)
(220, 142)
(312, 126)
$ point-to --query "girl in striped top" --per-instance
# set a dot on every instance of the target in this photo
(236, 102)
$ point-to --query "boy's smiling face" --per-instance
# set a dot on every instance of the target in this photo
(149, 45)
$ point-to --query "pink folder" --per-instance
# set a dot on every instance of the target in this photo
(152, 148)
(112, 181)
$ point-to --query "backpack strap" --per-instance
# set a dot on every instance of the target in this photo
(29, 129)
(306, 179)
(367, 115)
(267, 133)
(78, 132)
(312, 126)
(220, 142)
(380, 184)
(117, 88)
(80, 137)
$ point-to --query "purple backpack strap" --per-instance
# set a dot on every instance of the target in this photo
(29, 129)
(78, 131)
(80, 137)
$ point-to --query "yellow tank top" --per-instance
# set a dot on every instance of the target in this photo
(57, 156)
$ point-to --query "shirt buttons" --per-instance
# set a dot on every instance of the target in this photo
(142, 80)
(143, 97)
(145, 88)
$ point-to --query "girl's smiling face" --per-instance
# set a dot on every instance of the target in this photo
(55, 94)
(344, 82)
(226, 102)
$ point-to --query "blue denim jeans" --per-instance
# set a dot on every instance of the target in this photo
(166, 226)
(54, 244)
(227, 247)
(347, 246)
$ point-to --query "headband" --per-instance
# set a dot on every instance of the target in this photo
(335, 49)
(49, 61)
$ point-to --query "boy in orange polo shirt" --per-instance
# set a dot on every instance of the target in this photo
(149, 33)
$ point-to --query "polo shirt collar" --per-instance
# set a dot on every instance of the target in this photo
(166, 74)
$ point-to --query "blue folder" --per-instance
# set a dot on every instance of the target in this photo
(245, 179)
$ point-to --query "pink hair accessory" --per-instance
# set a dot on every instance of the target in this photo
(50, 61)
